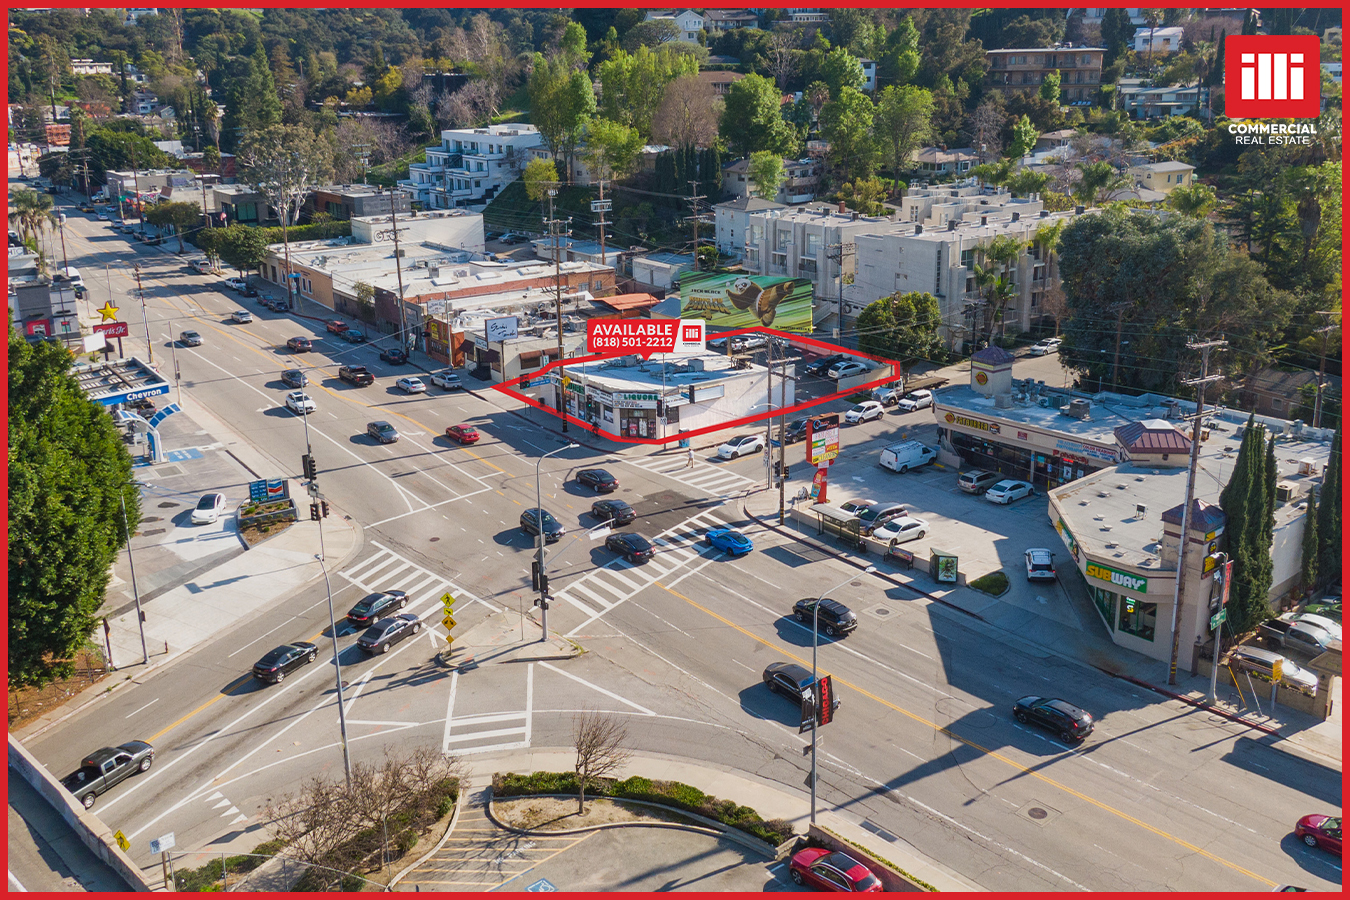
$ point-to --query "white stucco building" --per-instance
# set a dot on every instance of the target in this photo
(471, 165)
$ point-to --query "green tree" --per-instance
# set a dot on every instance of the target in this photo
(1096, 181)
(1024, 138)
(902, 326)
(1247, 502)
(846, 122)
(562, 102)
(904, 123)
(241, 246)
(996, 173)
(1117, 32)
(1311, 548)
(177, 214)
(993, 271)
(1194, 200)
(864, 195)
(612, 149)
(252, 103)
(752, 119)
(540, 175)
(765, 172)
(1025, 182)
(632, 85)
(1329, 512)
(1049, 89)
(68, 470)
(365, 301)
(899, 61)
(841, 69)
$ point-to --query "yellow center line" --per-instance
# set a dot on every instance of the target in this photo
(992, 753)
(225, 692)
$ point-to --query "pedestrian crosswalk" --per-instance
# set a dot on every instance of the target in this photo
(386, 570)
(709, 478)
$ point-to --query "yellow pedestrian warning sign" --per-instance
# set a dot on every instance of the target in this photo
(121, 839)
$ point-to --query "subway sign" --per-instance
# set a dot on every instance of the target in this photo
(1137, 583)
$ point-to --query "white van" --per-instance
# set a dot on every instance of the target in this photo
(73, 276)
(906, 455)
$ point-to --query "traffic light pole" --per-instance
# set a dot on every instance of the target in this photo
(540, 576)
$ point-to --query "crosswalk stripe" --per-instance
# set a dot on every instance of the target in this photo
(581, 588)
(416, 589)
(366, 568)
(613, 572)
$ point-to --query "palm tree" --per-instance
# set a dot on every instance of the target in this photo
(995, 173)
(1195, 201)
(1098, 180)
(1046, 237)
(991, 274)
(32, 213)
(1026, 182)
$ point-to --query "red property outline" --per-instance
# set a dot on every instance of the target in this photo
(507, 387)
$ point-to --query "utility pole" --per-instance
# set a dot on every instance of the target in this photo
(1322, 365)
(694, 216)
(602, 223)
(1205, 378)
(144, 320)
(835, 253)
(398, 272)
(553, 222)
(136, 179)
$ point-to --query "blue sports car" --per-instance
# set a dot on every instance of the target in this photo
(729, 541)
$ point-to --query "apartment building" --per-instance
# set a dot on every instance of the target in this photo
(934, 206)
(732, 221)
(347, 201)
(1158, 40)
(1164, 177)
(1080, 70)
(687, 21)
(1143, 101)
(801, 180)
(471, 165)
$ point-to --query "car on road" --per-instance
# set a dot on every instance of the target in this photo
(336, 326)
(448, 379)
(1040, 564)
(901, 530)
(300, 344)
(208, 509)
(615, 512)
(821, 366)
(103, 215)
(87, 207)
(532, 520)
(1069, 722)
(795, 431)
(1262, 661)
(353, 336)
(835, 618)
(914, 400)
(383, 432)
(598, 480)
(1322, 831)
(395, 356)
(633, 547)
(740, 445)
(372, 606)
(242, 316)
(294, 378)
(190, 339)
(1008, 490)
(846, 369)
(282, 661)
(1044, 346)
(248, 290)
(385, 633)
(411, 384)
(729, 540)
(106, 768)
(976, 481)
(832, 870)
(855, 507)
(879, 514)
(300, 403)
(235, 284)
(357, 375)
(463, 434)
(864, 412)
(790, 680)
(202, 265)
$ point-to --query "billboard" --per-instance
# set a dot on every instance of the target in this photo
(747, 301)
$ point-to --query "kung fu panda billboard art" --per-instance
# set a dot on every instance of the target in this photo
(742, 301)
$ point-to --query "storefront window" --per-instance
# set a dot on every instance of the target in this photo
(1138, 618)
(1106, 604)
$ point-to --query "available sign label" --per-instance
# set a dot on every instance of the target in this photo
(644, 337)
(1121, 579)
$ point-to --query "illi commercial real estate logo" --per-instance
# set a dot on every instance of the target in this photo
(1273, 77)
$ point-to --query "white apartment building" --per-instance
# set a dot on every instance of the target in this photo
(89, 67)
(732, 221)
(689, 22)
(1164, 40)
(934, 206)
(471, 165)
(869, 67)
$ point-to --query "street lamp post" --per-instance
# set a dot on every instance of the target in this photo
(135, 592)
(539, 538)
(65, 262)
(815, 688)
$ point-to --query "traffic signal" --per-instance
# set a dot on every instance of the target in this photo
(314, 511)
(538, 579)
(323, 504)
(660, 407)
(309, 467)
(780, 470)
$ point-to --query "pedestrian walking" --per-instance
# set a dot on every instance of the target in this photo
(690, 463)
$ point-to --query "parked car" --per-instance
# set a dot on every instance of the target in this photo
(821, 366)
(1044, 346)
(372, 606)
(1330, 627)
(879, 514)
(906, 455)
(208, 509)
(248, 290)
(411, 384)
(888, 394)
(901, 530)
(512, 238)
(729, 540)
(846, 369)
(1008, 490)
(294, 378)
(795, 431)
(234, 284)
(242, 316)
(107, 767)
(1262, 662)
(448, 379)
(633, 547)
(462, 434)
(337, 326)
(353, 336)
(1300, 637)
(202, 265)
(1329, 610)
(385, 633)
(832, 870)
(855, 507)
(533, 520)
(835, 618)
(976, 481)
(383, 432)
(357, 375)
(914, 400)
(598, 480)
(142, 406)
(615, 512)
(395, 356)
(790, 680)
(1060, 716)
(741, 445)
(300, 403)
(1040, 564)
(103, 215)
(299, 344)
(864, 412)
(1320, 831)
(282, 661)
(190, 339)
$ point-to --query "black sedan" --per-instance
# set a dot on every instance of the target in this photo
(387, 632)
(597, 480)
(633, 547)
(820, 367)
(285, 659)
(790, 680)
(795, 431)
(615, 512)
(374, 606)
(1060, 716)
(394, 355)
(833, 617)
(294, 378)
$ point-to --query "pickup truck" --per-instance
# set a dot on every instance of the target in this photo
(357, 375)
(1285, 633)
(106, 768)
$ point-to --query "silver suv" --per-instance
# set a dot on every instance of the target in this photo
(1255, 659)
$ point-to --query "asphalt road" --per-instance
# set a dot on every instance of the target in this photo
(1161, 797)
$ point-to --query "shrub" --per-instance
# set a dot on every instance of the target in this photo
(994, 583)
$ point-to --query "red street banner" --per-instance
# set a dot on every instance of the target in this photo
(1227, 583)
(825, 701)
(113, 329)
(644, 336)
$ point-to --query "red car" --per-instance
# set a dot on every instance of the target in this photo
(300, 344)
(464, 434)
(1320, 831)
(337, 326)
(830, 870)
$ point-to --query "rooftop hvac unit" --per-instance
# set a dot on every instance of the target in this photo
(1078, 408)
(1043, 401)
(1307, 467)
(1286, 491)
